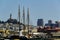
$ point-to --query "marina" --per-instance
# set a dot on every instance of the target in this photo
(28, 22)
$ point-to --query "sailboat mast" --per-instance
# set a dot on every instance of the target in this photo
(19, 18)
(24, 17)
(28, 19)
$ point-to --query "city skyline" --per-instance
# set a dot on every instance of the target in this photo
(45, 9)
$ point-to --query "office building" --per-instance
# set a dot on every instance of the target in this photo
(40, 22)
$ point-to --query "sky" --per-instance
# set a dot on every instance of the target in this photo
(38, 9)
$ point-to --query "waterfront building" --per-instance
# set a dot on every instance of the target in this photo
(1, 23)
(50, 23)
(40, 22)
(56, 24)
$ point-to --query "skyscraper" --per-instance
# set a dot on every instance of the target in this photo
(40, 22)
(50, 23)
(56, 24)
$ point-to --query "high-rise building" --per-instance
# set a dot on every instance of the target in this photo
(50, 21)
(40, 22)
(56, 24)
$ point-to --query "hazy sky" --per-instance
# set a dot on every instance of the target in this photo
(45, 9)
